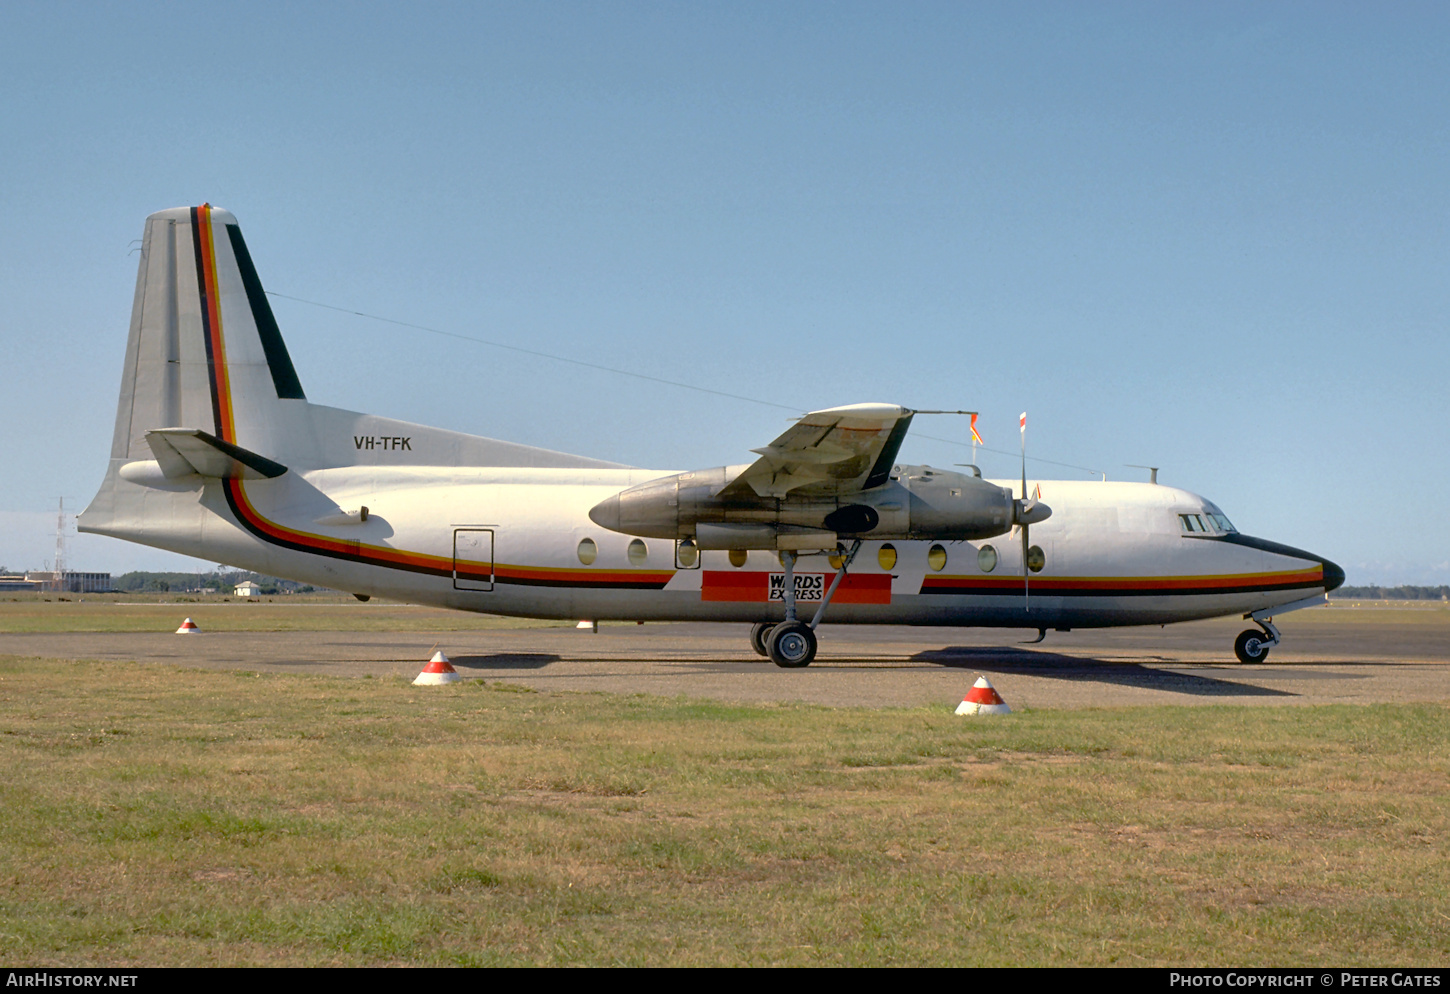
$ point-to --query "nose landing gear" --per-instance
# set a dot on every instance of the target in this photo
(1252, 646)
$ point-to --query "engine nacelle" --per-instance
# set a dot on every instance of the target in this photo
(917, 502)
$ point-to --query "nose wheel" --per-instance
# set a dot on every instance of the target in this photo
(1253, 647)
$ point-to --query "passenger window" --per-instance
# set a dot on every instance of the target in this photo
(638, 552)
(588, 551)
(738, 557)
(886, 556)
(936, 558)
(1036, 559)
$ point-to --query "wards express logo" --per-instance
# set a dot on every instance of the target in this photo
(808, 586)
(761, 587)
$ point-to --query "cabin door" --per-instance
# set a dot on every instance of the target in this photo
(473, 558)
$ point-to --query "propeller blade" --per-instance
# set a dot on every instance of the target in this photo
(1026, 507)
(1026, 592)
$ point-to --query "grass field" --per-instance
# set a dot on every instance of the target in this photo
(299, 613)
(160, 816)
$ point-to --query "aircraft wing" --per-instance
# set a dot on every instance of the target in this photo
(837, 451)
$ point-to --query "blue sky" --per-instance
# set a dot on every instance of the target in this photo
(1208, 237)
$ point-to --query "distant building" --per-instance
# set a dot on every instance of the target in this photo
(248, 589)
(69, 582)
(17, 581)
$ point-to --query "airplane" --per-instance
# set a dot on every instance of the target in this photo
(218, 454)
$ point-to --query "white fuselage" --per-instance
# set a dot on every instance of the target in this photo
(507, 541)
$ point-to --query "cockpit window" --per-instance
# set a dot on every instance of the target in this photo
(1206, 522)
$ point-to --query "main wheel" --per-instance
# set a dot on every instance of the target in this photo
(760, 637)
(792, 644)
(1251, 647)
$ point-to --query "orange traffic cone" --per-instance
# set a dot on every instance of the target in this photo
(188, 627)
(983, 699)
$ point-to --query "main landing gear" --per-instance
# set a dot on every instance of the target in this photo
(760, 637)
(1252, 646)
(792, 643)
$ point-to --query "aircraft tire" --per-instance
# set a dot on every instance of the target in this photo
(760, 638)
(1250, 647)
(792, 644)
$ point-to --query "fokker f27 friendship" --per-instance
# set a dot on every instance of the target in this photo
(218, 454)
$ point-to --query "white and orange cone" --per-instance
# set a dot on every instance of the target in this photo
(983, 699)
(592, 626)
(438, 670)
(188, 627)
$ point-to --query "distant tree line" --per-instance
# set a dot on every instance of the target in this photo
(1440, 593)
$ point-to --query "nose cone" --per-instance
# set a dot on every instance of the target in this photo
(605, 514)
(1333, 575)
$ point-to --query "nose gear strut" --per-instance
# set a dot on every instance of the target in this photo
(1252, 646)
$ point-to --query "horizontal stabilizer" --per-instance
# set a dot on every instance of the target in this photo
(183, 451)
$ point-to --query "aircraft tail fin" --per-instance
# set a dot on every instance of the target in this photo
(209, 393)
(205, 354)
(204, 350)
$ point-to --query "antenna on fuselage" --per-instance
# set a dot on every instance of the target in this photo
(1152, 470)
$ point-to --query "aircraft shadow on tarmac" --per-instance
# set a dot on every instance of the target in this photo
(1059, 667)
(505, 661)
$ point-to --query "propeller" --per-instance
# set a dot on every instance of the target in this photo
(1025, 512)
